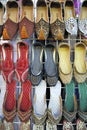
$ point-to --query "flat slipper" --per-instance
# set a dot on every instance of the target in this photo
(36, 64)
(9, 104)
(70, 104)
(22, 63)
(7, 62)
(39, 104)
(50, 65)
(11, 24)
(55, 104)
(24, 101)
(26, 24)
(65, 65)
(80, 72)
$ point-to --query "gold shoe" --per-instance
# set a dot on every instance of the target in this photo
(42, 20)
(56, 23)
(80, 72)
(25, 125)
(8, 125)
(65, 66)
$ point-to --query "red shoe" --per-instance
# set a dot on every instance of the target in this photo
(22, 64)
(7, 62)
(9, 104)
(24, 101)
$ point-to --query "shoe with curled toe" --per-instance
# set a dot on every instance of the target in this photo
(82, 22)
(67, 126)
(80, 125)
(69, 18)
(42, 20)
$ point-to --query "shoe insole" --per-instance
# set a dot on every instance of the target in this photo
(80, 62)
(42, 12)
(26, 96)
(39, 104)
(1, 16)
(37, 59)
(83, 14)
(64, 59)
(50, 64)
(56, 13)
(28, 12)
(69, 96)
(69, 12)
(10, 97)
(82, 96)
(22, 55)
(54, 102)
(7, 56)
(12, 13)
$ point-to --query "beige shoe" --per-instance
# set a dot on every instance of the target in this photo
(38, 127)
(80, 72)
(50, 126)
(25, 125)
(65, 66)
(8, 125)
(80, 125)
(67, 126)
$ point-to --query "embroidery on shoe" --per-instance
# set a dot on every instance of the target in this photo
(71, 26)
(83, 26)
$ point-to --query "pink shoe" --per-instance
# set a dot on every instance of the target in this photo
(7, 62)
(22, 64)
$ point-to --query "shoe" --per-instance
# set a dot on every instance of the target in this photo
(25, 125)
(70, 103)
(2, 11)
(80, 125)
(24, 102)
(50, 65)
(22, 63)
(7, 62)
(39, 104)
(9, 104)
(38, 127)
(37, 64)
(56, 21)
(67, 126)
(11, 24)
(65, 65)
(26, 24)
(80, 72)
(55, 104)
(8, 125)
(42, 20)
(82, 107)
(82, 22)
(1, 125)
(69, 17)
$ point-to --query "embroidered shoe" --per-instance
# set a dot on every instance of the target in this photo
(80, 125)
(67, 126)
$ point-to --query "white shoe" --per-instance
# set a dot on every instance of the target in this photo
(38, 127)
(55, 104)
(50, 126)
(39, 103)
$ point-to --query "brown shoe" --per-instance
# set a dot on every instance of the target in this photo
(42, 20)
(11, 25)
(26, 25)
(56, 22)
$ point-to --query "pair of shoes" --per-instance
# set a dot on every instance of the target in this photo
(24, 105)
(17, 20)
(40, 110)
(50, 65)
(22, 63)
(65, 65)
(42, 26)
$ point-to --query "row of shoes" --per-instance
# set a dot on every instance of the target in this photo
(24, 20)
(40, 112)
(58, 63)
(44, 63)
